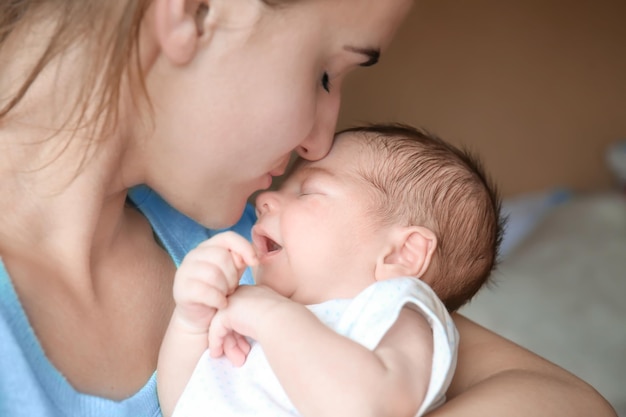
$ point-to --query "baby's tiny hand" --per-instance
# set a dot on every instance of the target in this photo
(223, 340)
(249, 308)
(208, 275)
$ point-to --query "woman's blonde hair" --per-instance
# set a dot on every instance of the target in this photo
(109, 29)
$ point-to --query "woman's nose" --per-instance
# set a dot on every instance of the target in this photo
(317, 144)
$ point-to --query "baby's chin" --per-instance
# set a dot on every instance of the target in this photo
(261, 278)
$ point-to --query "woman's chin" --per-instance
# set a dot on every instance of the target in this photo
(221, 217)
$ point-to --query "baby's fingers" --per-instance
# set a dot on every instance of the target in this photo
(223, 340)
(217, 334)
(236, 348)
(202, 290)
(243, 252)
(212, 266)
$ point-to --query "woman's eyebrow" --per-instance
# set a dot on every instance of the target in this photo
(372, 54)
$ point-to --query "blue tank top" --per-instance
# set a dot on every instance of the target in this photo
(30, 386)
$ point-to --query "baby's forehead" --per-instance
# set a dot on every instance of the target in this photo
(347, 154)
(357, 136)
(355, 144)
(350, 154)
(358, 142)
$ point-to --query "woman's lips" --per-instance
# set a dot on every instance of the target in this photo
(267, 178)
(266, 181)
(277, 172)
(280, 169)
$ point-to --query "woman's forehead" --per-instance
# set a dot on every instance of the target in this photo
(365, 26)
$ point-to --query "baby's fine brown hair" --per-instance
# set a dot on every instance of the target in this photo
(419, 179)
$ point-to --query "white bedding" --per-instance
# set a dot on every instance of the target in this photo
(562, 292)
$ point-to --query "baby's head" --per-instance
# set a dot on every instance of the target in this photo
(418, 179)
(387, 201)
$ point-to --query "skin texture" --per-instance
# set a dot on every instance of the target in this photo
(231, 98)
(322, 220)
(95, 260)
(255, 91)
(298, 217)
(304, 253)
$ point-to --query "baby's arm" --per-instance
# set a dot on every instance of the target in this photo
(324, 373)
(205, 278)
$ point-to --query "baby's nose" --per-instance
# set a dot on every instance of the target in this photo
(265, 202)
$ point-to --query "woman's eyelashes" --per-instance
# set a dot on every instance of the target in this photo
(326, 82)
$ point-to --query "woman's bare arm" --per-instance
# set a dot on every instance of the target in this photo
(496, 377)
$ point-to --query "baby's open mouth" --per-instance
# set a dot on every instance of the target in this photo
(271, 246)
(264, 244)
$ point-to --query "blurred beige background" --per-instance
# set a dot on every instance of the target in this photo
(536, 87)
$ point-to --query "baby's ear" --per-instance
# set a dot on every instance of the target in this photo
(409, 253)
(178, 25)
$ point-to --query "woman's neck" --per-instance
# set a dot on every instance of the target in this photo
(83, 262)
(54, 217)
(80, 260)
(62, 183)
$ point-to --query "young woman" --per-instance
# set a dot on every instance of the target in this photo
(202, 101)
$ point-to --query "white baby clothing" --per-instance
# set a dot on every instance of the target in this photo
(217, 388)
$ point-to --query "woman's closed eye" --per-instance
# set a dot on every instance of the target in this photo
(326, 82)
